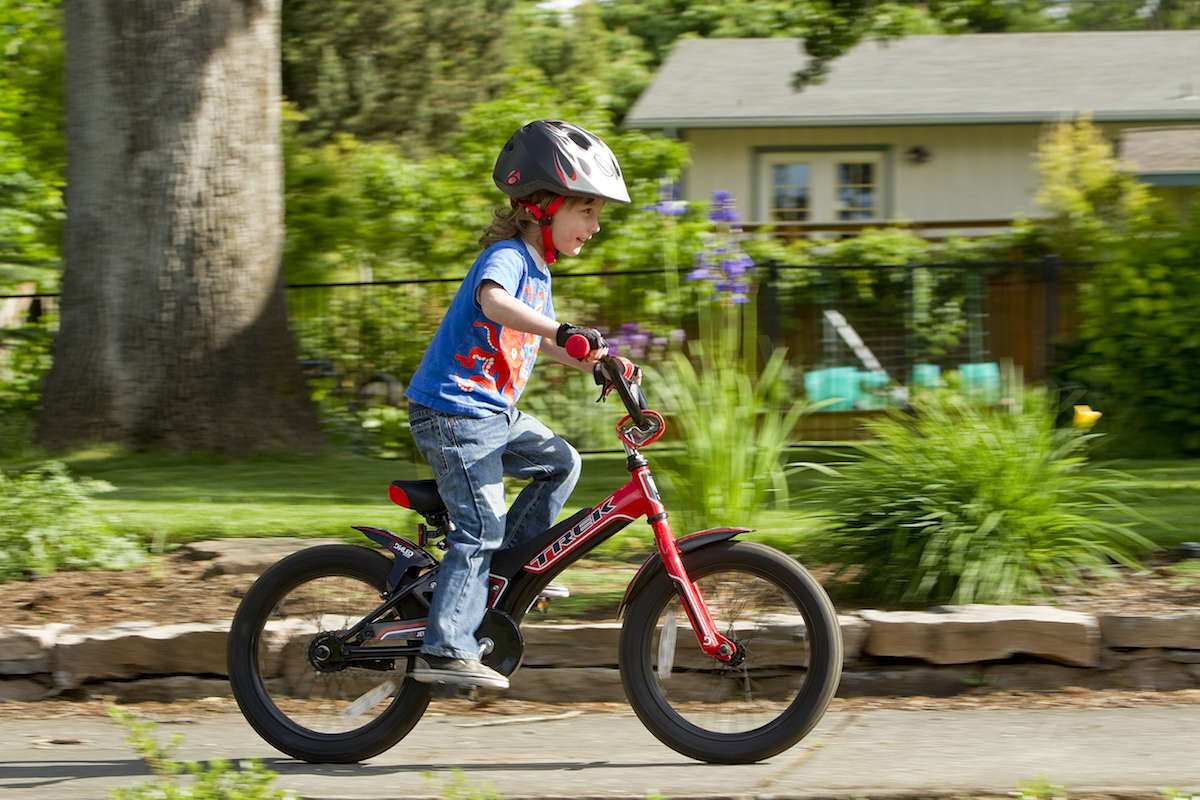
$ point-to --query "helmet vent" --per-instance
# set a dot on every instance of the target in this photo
(579, 139)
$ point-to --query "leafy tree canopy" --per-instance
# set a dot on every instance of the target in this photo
(393, 68)
(31, 139)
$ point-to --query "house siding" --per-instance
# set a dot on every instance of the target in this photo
(975, 172)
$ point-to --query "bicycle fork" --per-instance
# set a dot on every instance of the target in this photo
(711, 641)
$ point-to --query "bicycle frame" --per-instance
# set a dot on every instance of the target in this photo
(518, 574)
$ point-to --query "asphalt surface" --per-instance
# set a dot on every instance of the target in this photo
(851, 754)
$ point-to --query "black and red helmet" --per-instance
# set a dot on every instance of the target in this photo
(561, 158)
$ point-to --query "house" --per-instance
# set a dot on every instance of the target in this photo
(938, 131)
(1167, 159)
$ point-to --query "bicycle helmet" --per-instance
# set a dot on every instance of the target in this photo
(560, 158)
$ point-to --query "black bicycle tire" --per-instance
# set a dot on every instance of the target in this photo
(383, 732)
(796, 721)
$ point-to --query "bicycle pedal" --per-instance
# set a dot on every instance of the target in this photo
(552, 590)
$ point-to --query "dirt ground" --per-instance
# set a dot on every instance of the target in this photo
(174, 589)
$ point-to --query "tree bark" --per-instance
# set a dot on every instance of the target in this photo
(173, 318)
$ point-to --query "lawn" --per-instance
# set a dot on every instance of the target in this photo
(171, 499)
(1168, 492)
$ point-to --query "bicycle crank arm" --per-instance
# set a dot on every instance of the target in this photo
(354, 655)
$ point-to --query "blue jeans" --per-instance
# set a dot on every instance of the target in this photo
(470, 458)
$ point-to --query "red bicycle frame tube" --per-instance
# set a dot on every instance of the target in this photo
(634, 499)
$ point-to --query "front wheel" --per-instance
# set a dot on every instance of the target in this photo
(300, 701)
(780, 681)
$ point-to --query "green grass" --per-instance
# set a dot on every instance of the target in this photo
(1168, 492)
(168, 499)
(173, 499)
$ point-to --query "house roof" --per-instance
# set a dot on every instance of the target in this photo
(921, 80)
(1162, 149)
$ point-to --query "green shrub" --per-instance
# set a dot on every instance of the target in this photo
(216, 780)
(963, 504)
(46, 524)
(1094, 202)
(24, 362)
(734, 421)
(1140, 344)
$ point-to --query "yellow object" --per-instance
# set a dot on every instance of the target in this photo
(1085, 417)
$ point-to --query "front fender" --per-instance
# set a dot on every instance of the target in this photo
(653, 565)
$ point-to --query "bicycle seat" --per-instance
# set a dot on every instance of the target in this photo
(420, 496)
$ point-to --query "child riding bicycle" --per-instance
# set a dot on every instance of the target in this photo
(462, 398)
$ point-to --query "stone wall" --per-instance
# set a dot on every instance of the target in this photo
(939, 652)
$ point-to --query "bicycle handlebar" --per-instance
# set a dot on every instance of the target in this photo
(630, 393)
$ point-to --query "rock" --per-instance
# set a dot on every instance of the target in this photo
(854, 636)
(1154, 674)
(553, 645)
(160, 690)
(925, 681)
(1180, 631)
(1183, 656)
(1030, 677)
(25, 650)
(566, 685)
(23, 690)
(239, 556)
(972, 633)
(136, 649)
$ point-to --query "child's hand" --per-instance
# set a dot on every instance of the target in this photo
(574, 339)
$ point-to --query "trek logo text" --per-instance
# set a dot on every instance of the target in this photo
(569, 540)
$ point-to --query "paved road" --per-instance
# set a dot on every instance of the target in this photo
(851, 754)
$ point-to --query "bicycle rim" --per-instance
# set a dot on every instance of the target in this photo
(301, 696)
(770, 629)
(775, 689)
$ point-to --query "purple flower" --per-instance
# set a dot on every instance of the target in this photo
(669, 204)
(723, 208)
(637, 343)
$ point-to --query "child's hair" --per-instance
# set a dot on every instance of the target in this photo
(514, 222)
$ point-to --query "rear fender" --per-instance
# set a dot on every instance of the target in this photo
(405, 554)
(653, 565)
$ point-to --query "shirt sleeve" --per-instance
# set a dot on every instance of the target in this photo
(505, 267)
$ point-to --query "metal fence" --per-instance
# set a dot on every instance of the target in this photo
(859, 336)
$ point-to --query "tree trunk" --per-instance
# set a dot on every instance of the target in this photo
(174, 324)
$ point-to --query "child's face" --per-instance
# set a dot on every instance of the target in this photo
(575, 223)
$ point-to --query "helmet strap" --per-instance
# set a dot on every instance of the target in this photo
(544, 219)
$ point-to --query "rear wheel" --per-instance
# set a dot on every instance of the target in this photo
(291, 691)
(785, 672)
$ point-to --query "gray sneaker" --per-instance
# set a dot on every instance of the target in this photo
(456, 672)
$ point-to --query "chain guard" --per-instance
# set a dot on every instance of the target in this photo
(507, 644)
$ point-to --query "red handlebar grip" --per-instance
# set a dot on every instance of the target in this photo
(577, 346)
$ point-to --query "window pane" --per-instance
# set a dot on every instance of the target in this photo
(856, 191)
(790, 174)
(790, 203)
(789, 192)
(857, 174)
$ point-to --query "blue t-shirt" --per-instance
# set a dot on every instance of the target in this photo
(475, 367)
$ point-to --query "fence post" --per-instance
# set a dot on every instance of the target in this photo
(768, 293)
(1050, 268)
(909, 359)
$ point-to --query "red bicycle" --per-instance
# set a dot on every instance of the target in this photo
(729, 651)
